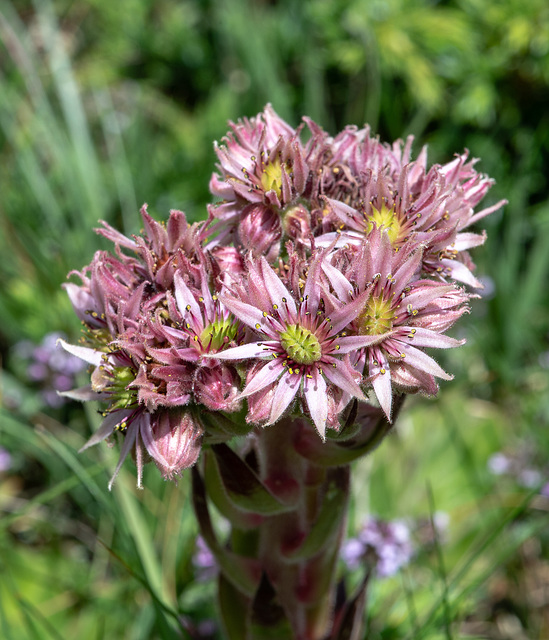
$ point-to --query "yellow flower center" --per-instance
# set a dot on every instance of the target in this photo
(271, 178)
(376, 317)
(301, 345)
(386, 220)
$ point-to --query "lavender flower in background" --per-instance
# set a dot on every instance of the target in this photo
(203, 561)
(384, 544)
(5, 460)
(521, 467)
(50, 367)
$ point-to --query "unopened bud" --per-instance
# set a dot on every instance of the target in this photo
(217, 388)
(260, 231)
(297, 223)
(173, 441)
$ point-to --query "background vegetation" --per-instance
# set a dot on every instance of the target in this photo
(105, 105)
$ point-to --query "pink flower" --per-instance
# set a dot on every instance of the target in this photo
(376, 185)
(406, 313)
(300, 344)
(265, 171)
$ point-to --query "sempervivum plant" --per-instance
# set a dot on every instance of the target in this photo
(297, 316)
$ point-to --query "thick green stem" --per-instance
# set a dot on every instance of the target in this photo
(286, 498)
(302, 575)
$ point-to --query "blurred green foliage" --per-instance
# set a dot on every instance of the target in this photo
(105, 105)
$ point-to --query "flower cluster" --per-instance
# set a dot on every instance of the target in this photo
(324, 271)
(521, 466)
(385, 545)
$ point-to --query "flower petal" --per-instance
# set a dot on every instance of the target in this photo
(458, 271)
(90, 356)
(250, 315)
(252, 350)
(420, 360)
(262, 378)
(277, 292)
(347, 344)
(381, 382)
(185, 300)
(314, 389)
(285, 392)
(420, 337)
(341, 376)
(107, 427)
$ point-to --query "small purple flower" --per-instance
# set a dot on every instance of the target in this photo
(204, 561)
(50, 367)
(499, 463)
(5, 460)
(386, 545)
(520, 465)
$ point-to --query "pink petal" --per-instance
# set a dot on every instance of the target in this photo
(277, 291)
(251, 350)
(458, 271)
(262, 378)
(468, 241)
(347, 344)
(485, 212)
(420, 360)
(420, 337)
(342, 287)
(90, 356)
(381, 383)
(285, 392)
(249, 314)
(348, 312)
(341, 376)
(185, 300)
(314, 390)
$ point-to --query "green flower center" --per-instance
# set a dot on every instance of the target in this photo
(218, 333)
(301, 345)
(386, 220)
(114, 380)
(376, 317)
(271, 178)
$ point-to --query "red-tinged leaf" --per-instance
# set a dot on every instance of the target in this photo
(333, 454)
(218, 495)
(328, 524)
(349, 623)
(268, 619)
(242, 572)
(243, 486)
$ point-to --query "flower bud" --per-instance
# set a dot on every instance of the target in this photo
(260, 231)
(228, 259)
(173, 441)
(217, 388)
(297, 223)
